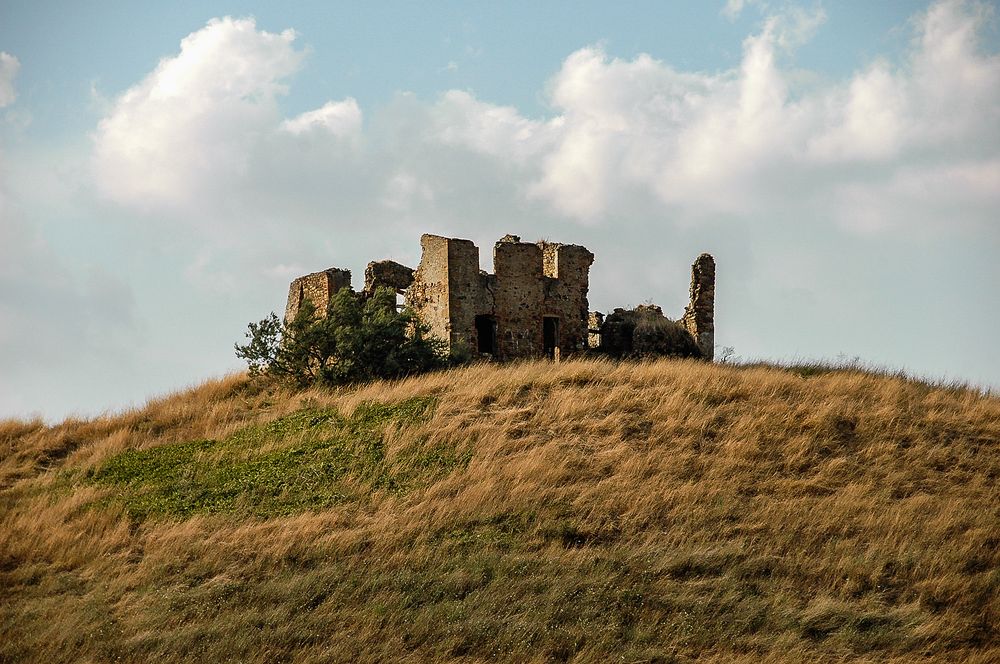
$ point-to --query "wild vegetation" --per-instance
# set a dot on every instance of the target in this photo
(359, 339)
(584, 511)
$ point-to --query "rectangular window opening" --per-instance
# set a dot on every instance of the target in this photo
(486, 335)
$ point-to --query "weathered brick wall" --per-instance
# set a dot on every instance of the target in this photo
(316, 288)
(699, 317)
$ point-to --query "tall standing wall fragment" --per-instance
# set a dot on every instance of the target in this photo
(447, 290)
(567, 272)
(519, 298)
(699, 317)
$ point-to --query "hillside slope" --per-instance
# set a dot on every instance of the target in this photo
(581, 511)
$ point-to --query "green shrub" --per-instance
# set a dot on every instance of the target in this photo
(359, 339)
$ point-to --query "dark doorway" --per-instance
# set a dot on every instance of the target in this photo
(550, 336)
(486, 334)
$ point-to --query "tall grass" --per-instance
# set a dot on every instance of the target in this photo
(581, 511)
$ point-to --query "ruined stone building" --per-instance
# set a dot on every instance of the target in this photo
(533, 305)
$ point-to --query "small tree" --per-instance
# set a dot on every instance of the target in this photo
(358, 340)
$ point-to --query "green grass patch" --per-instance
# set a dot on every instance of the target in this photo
(308, 460)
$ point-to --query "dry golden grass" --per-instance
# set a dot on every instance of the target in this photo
(585, 511)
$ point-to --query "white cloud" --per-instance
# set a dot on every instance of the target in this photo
(458, 119)
(340, 118)
(187, 133)
(9, 66)
(405, 190)
(732, 142)
(624, 133)
(792, 24)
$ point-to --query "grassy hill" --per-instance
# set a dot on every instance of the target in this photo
(581, 511)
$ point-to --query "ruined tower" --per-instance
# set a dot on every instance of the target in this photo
(534, 305)
(448, 273)
(699, 317)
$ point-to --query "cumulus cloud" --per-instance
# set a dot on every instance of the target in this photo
(792, 24)
(910, 143)
(641, 125)
(189, 129)
(622, 131)
(796, 25)
(9, 66)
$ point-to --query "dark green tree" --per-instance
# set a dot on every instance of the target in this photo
(359, 339)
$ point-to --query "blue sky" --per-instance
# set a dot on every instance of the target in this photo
(166, 169)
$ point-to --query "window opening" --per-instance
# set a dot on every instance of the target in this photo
(486, 334)
(550, 336)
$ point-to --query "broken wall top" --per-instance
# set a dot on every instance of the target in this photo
(511, 257)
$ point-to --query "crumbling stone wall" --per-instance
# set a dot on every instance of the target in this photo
(428, 296)
(595, 323)
(535, 303)
(317, 289)
(519, 298)
(568, 282)
(699, 317)
(387, 274)
(645, 331)
(531, 281)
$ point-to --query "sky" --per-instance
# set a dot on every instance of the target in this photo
(167, 168)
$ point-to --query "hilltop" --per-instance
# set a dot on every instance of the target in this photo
(582, 511)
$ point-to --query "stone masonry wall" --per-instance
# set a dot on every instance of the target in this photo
(466, 297)
(316, 288)
(387, 274)
(567, 268)
(699, 317)
(531, 281)
(519, 298)
(595, 320)
(428, 295)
